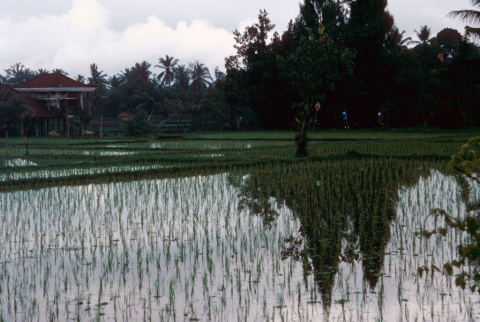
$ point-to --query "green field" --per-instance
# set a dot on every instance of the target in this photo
(232, 226)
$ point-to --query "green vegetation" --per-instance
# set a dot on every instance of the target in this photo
(181, 226)
(349, 55)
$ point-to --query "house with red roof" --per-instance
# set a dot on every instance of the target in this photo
(57, 102)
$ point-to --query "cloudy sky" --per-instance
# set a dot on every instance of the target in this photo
(72, 34)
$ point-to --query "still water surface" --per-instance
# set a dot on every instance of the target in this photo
(185, 249)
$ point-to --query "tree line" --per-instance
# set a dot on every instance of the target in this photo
(350, 56)
(336, 55)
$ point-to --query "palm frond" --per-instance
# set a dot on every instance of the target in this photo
(467, 16)
(413, 42)
(470, 31)
(407, 40)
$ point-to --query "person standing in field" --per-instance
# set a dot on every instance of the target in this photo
(345, 120)
(241, 125)
(380, 119)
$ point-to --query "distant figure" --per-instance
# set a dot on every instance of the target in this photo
(241, 125)
(345, 120)
(380, 119)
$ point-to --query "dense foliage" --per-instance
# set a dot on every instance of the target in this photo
(367, 67)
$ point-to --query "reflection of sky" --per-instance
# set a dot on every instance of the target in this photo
(60, 173)
(181, 245)
(17, 162)
(107, 153)
(401, 293)
(184, 235)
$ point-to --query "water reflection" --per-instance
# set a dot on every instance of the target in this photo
(17, 162)
(152, 249)
(271, 245)
(358, 220)
(73, 172)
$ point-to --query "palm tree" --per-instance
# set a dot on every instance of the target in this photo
(60, 71)
(80, 78)
(423, 36)
(98, 78)
(41, 71)
(140, 73)
(149, 96)
(114, 81)
(396, 38)
(17, 74)
(14, 70)
(199, 75)
(168, 65)
(468, 16)
(182, 78)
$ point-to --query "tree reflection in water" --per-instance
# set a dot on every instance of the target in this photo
(346, 208)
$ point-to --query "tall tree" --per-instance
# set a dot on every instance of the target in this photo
(182, 79)
(114, 81)
(423, 36)
(140, 73)
(168, 65)
(12, 108)
(60, 71)
(427, 49)
(80, 78)
(98, 79)
(41, 71)
(17, 74)
(314, 68)
(367, 30)
(200, 75)
(150, 97)
(449, 40)
(395, 39)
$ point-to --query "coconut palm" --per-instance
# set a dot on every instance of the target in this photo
(80, 78)
(168, 65)
(98, 79)
(17, 74)
(114, 81)
(423, 36)
(60, 71)
(14, 70)
(468, 16)
(200, 75)
(396, 38)
(182, 78)
(149, 96)
(140, 73)
(41, 71)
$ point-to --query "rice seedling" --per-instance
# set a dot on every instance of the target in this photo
(198, 228)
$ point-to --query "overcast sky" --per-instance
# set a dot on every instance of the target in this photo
(115, 34)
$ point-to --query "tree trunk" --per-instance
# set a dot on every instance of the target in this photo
(25, 140)
(301, 141)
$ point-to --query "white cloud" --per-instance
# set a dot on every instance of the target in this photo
(83, 35)
(117, 34)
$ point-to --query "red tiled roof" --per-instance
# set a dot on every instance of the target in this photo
(52, 80)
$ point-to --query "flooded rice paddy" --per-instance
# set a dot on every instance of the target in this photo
(311, 240)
